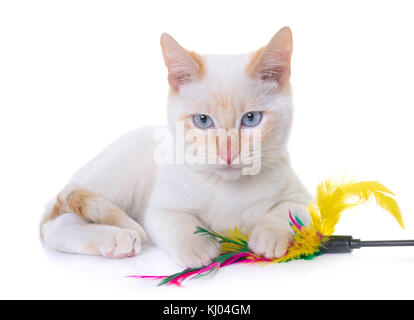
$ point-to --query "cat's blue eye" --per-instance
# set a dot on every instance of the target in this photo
(203, 121)
(251, 119)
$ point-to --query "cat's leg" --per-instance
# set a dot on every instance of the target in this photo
(80, 221)
(174, 232)
(71, 233)
(271, 235)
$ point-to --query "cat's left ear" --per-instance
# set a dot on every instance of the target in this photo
(272, 62)
(183, 66)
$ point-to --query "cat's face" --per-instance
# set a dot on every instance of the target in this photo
(235, 110)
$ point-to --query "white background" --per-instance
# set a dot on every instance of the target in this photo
(74, 75)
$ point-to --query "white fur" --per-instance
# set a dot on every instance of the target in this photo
(171, 200)
(70, 233)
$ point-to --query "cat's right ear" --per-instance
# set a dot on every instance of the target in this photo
(272, 62)
(183, 66)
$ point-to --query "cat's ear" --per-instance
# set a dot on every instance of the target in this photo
(272, 62)
(183, 66)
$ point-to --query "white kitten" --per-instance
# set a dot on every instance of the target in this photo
(100, 211)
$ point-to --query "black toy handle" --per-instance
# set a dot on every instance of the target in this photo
(345, 244)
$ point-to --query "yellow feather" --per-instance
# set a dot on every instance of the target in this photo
(333, 198)
(306, 242)
(236, 236)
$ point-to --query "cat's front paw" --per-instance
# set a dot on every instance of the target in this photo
(196, 251)
(269, 242)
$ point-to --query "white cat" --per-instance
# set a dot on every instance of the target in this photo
(102, 208)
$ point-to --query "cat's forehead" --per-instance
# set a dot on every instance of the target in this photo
(228, 70)
(225, 81)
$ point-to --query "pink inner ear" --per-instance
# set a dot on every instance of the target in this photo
(182, 73)
(273, 66)
(180, 70)
(273, 61)
(182, 67)
(179, 78)
(273, 73)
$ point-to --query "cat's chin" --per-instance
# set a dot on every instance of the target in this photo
(229, 173)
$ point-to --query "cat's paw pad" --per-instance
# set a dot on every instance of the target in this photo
(196, 252)
(269, 242)
(122, 244)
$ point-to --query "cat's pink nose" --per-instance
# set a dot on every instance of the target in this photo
(228, 153)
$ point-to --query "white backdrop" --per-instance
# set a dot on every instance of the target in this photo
(74, 75)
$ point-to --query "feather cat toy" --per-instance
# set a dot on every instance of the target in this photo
(331, 200)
